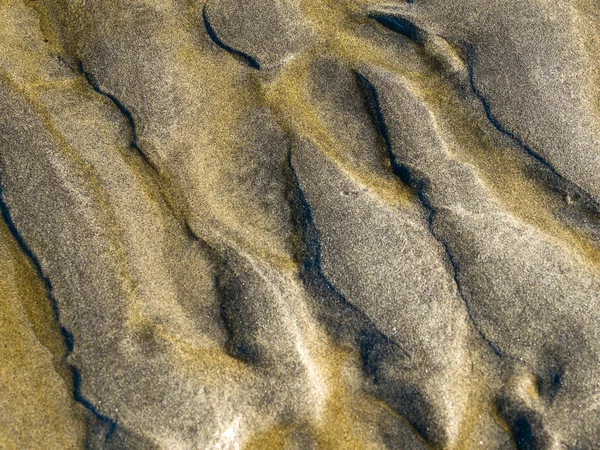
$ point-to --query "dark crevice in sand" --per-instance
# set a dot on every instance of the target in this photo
(67, 337)
(104, 421)
(339, 313)
(345, 321)
(213, 36)
(145, 159)
(224, 279)
(227, 284)
(470, 61)
(234, 314)
(121, 107)
(110, 426)
(436, 51)
(230, 291)
(523, 434)
(401, 26)
(406, 176)
(525, 425)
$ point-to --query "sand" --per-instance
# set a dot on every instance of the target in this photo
(297, 224)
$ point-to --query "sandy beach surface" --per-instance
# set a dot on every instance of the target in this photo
(300, 224)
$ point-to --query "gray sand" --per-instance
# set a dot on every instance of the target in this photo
(301, 224)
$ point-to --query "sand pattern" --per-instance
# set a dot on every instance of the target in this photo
(298, 224)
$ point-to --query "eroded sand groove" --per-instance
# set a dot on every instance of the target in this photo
(300, 224)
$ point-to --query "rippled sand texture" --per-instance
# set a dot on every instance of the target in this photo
(269, 224)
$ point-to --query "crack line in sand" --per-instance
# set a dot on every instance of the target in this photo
(405, 175)
(315, 279)
(66, 334)
(470, 61)
(213, 36)
(124, 111)
(215, 254)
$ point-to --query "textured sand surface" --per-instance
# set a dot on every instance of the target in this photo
(300, 224)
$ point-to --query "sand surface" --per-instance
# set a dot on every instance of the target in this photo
(300, 224)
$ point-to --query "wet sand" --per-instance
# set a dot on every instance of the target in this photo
(299, 224)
